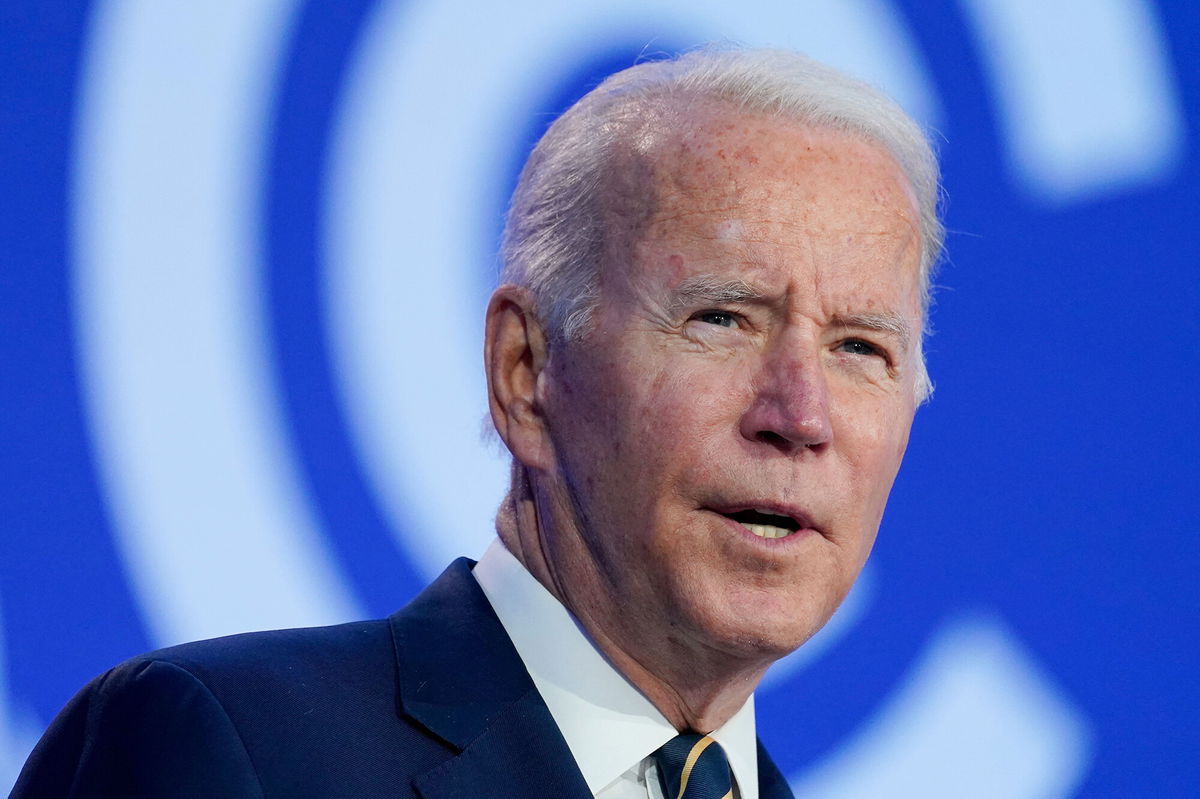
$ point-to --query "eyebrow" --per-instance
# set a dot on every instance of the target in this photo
(882, 322)
(709, 288)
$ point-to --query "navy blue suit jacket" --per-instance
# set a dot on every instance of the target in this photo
(432, 702)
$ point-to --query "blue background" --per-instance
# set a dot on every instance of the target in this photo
(1049, 490)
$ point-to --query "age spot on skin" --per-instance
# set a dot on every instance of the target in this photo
(730, 230)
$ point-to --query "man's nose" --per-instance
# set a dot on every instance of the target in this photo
(790, 408)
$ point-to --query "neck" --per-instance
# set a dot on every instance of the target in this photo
(695, 686)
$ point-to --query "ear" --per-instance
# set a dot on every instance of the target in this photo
(514, 354)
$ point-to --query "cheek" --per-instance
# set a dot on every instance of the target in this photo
(665, 424)
(873, 443)
(676, 398)
(647, 418)
(612, 418)
(692, 409)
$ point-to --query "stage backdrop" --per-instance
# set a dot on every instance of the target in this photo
(247, 244)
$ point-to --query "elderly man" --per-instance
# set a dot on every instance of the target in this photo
(704, 357)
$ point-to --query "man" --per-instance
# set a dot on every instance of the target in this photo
(704, 357)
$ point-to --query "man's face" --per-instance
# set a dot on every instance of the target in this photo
(726, 434)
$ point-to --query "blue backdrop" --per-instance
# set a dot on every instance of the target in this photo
(246, 246)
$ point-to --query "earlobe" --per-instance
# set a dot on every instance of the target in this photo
(514, 357)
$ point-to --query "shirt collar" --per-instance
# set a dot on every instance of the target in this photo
(608, 725)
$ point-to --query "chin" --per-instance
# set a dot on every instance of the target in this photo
(754, 634)
(757, 647)
(784, 639)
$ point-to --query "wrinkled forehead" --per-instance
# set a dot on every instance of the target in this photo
(720, 175)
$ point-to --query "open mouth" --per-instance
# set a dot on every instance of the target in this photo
(765, 524)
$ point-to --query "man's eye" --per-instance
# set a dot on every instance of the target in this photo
(856, 346)
(721, 318)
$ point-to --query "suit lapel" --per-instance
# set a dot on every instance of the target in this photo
(461, 679)
(771, 782)
(520, 754)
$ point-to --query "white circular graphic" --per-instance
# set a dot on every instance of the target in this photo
(212, 517)
(423, 141)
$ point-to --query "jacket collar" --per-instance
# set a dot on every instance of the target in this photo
(461, 679)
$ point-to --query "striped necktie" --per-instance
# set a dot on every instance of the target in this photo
(693, 766)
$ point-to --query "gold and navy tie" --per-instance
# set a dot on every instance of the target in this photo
(693, 766)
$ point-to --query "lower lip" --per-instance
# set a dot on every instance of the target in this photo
(788, 540)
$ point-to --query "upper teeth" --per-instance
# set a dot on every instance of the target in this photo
(766, 530)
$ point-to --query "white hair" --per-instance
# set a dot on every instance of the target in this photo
(556, 230)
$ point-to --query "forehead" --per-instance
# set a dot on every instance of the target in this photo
(723, 164)
(754, 195)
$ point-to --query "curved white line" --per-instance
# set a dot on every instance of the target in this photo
(977, 717)
(1086, 94)
(209, 516)
(439, 93)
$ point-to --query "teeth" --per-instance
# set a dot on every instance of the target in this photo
(766, 530)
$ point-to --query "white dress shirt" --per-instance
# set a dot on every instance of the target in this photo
(610, 728)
